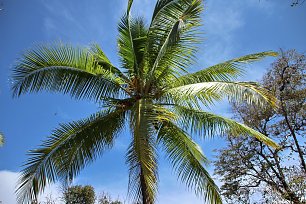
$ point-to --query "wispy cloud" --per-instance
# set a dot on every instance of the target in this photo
(224, 22)
(264, 6)
(81, 23)
(49, 25)
(221, 21)
(58, 15)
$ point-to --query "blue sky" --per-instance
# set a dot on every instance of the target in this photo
(231, 29)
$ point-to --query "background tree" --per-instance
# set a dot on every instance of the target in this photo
(1, 139)
(49, 200)
(152, 95)
(79, 195)
(105, 198)
(297, 2)
(246, 165)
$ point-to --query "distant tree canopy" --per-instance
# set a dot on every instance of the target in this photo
(246, 165)
(79, 195)
(104, 198)
(86, 195)
(1, 139)
(297, 2)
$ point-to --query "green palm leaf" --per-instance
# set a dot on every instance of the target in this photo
(63, 68)
(70, 148)
(188, 160)
(208, 92)
(126, 47)
(170, 45)
(226, 71)
(102, 60)
(130, 40)
(209, 124)
(160, 6)
(129, 6)
(139, 33)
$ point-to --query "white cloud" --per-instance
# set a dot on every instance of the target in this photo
(8, 184)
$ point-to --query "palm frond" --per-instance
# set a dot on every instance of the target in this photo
(68, 150)
(104, 62)
(208, 92)
(226, 71)
(139, 33)
(172, 37)
(209, 124)
(125, 46)
(66, 69)
(160, 6)
(131, 38)
(141, 156)
(130, 2)
(188, 160)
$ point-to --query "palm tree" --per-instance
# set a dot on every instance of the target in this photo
(152, 95)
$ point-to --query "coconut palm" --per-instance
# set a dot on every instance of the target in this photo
(152, 95)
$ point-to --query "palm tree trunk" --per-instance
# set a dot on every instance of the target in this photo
(143, 185)
(144, 155)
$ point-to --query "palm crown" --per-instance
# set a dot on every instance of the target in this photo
(152, 92)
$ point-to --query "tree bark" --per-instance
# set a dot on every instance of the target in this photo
(145, 197)
(303, 165)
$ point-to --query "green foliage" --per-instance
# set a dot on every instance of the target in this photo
(63, 68)
(79, 195)
(152, 92)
